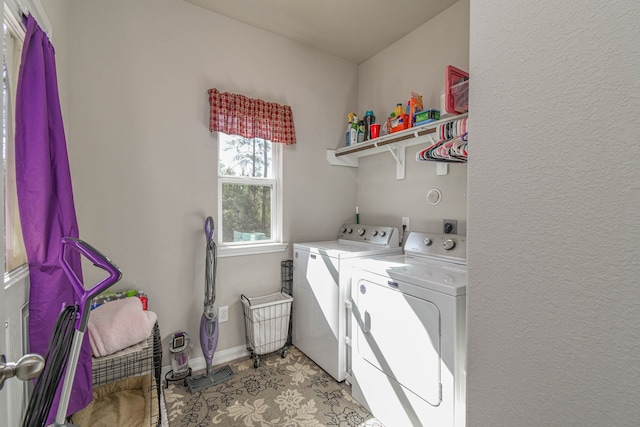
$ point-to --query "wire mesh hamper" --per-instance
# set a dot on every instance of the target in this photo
(266, 321)
(144, 358)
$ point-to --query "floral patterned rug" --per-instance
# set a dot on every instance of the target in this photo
(290, 391)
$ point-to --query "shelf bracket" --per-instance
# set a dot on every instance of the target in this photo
(342, 160)
(393, 154)
(399, 155)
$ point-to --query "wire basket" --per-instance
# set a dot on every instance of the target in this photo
(144, 358)
(266, 321)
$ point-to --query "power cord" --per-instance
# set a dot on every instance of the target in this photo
(55, 362)
(404, 230)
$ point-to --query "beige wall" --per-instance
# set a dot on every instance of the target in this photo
(134, 77)
(554, 197)
(416, 63)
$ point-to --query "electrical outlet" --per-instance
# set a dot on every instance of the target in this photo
(223, 314)
(405, 222)
(450, 226)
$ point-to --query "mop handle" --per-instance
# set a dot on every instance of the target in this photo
(209, 229)
(210, 268)
(86, 295)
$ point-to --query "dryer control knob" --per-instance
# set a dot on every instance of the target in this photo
(374, 233)
(383, 233)
(427, 241)
(449, 244)
(361, 231)
(349, 230)
(343, 229)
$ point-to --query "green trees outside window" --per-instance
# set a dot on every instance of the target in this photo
(247, 186)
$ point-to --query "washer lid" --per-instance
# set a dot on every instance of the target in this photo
(340, 249)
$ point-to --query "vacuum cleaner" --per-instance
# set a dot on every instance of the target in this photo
(209, 321)
(66, 340)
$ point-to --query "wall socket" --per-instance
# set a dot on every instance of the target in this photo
(223, 313)
(450, 226)
(405, 221)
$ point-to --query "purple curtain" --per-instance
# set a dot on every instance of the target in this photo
(45, 199)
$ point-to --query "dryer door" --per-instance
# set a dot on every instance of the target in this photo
(399, 335)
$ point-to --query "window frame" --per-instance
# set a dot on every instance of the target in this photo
(276, 243)
(16, 265)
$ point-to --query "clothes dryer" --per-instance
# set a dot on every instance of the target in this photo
(321, 288)
(408, 333)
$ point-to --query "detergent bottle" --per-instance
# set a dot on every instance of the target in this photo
(143, 299)
(347, 141)
(353, 135)
(369, 119)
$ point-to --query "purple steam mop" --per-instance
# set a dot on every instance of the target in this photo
(209, 322)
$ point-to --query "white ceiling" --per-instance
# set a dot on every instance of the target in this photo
(351, 29)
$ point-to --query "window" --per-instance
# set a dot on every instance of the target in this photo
(250, 134)
(15, 255)
(249, 195)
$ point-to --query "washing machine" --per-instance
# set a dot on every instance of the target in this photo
(408, 332)
(321, 287)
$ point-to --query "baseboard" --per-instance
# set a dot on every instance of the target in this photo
(220, 357)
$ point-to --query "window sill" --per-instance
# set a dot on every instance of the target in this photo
(265, 248)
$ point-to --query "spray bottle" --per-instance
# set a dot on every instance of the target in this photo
(350, 117)
(398, 111)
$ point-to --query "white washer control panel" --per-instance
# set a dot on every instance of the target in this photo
(372, 234)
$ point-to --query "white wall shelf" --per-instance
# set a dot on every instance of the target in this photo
(395, 144)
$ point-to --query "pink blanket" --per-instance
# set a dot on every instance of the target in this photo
(119, 324)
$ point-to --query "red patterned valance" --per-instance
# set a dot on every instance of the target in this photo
(251, 118)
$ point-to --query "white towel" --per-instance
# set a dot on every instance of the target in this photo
(119, 324)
